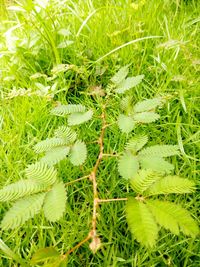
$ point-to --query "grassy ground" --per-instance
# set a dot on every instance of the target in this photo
(169, 59)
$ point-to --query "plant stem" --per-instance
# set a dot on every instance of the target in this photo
(94, 172)
(77, 180)
(78, 245)
(93, 233)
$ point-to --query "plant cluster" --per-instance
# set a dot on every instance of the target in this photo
(149, 175)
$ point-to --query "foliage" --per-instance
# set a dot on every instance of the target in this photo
(143, 167)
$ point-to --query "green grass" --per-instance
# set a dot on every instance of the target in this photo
(170, 64)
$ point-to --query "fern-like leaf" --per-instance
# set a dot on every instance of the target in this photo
(146, 117)
(78, 118)
(143, 180)
(55, 202)
(136, 143)
(20, 189)
(160, 151)
(120, 75)
(141, 222)
(170, 185)
(66, 133)
(148, 105)
(55, 155)
(126, 123)
(41, 173)
(78, 153)
(128, 83)
(172, 216)
(23, 210)
(126, 103)
(128, 166)
(49, 143)
(156, 164)
(63, 110)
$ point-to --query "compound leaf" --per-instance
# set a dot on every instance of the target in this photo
(128, 83)
(141, 222)
(20, 189)
(66, 133)
(143, 180)
(128, 166)
(136, 143)
(170, 185)
(126, 123)
(55, 155)
(126, 103)
(41, 173)
(148, 105)
(78, 153)
(49, 143)
(78, 117)
(120, 75)
(23, 210)
(173, 217)
(146, 117)
(156, 164)
(160, 151)
(63, 110)
(55, 202)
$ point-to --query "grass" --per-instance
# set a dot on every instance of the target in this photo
(170, 64)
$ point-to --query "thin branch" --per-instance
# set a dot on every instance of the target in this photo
(77, 180)
(94, 172)
(78, 245)
(95, 244)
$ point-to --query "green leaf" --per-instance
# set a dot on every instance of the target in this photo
(126, 103)
(146, 117)
(41, 173)
(125, 123)
(55, 155)
(156, 164)
(20, 189)
(49, 143)
(172, 216)
(141, 222)
(128, 83)
(143, 180)
(78, 153)
(66, 133)
(60, 261)
(55, 202)
(44, 254)
(160, 151)
(136, 143)
(148, 105)
(128, 166)
(63, 110)
(120, 75)
(170, 185)
(23, 210)
(78, 118)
